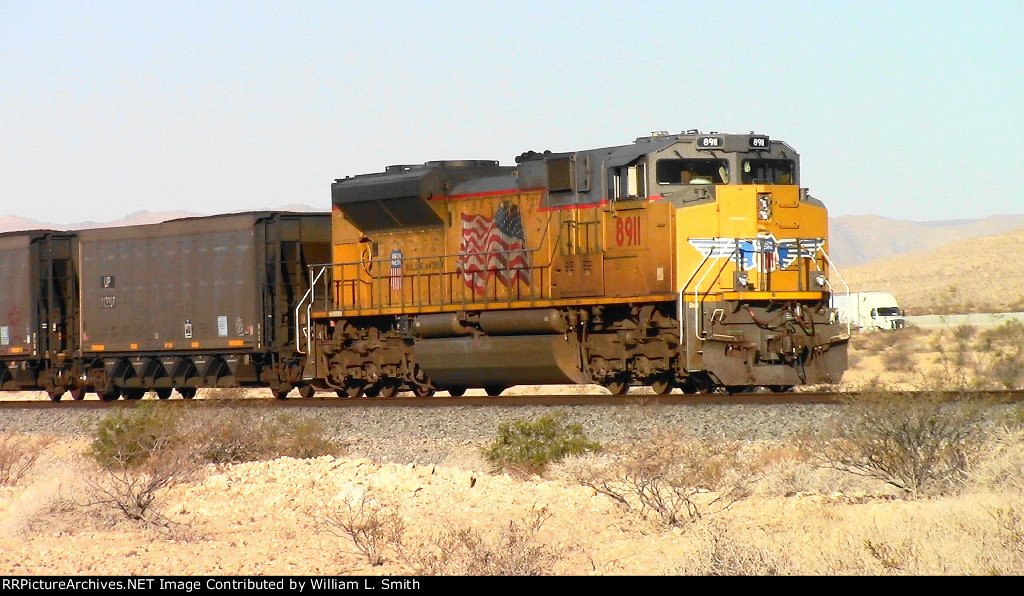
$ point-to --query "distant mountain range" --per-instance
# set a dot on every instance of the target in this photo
(857, 239)
(11, 223)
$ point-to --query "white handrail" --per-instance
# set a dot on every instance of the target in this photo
(836, 270)
(298, 306)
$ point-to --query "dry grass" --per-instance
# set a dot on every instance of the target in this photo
(669, 479)
(515, 551)
(961, 358)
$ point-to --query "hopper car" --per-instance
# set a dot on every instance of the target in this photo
(180, 305)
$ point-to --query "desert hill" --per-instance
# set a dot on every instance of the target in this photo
(976, 275)
(11, 223)
(857, 239)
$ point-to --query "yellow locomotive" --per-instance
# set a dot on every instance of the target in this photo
(681, 260)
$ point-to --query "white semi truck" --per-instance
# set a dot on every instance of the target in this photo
(869, 310)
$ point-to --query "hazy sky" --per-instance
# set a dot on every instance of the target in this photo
(911, 110)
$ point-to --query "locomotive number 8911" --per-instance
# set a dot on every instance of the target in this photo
(687, 260)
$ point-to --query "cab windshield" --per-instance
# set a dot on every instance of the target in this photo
(692, 171)
(768, 171)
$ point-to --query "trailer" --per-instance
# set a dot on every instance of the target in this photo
(869, 310)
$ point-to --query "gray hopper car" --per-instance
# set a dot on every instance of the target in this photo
(180, 305)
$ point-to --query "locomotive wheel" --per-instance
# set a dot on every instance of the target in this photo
(110, 395)
(456, 391)
(307, 391)
(697, 383)
(163, 393)
(77, 393)
(780, 388)
(662, 385)
(281, 394)
(731, 389)
(494, 390)
(55, 394)
(187, 392)
(372, 390)
(617, 386)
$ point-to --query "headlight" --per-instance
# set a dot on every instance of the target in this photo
(764, 206)
(819, 280)
(741, 280)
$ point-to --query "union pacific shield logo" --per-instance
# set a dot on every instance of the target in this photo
(762, 253)
(396, 270)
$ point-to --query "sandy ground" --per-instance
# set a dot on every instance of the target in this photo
(266, 518)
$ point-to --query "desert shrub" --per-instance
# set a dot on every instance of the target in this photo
(140, 453)
(899, 357)
(17, 456)
(672, 480)
(129, 436)
(372, 523)
(466, 551)
(532, 444)
(894, 557)
(724, 552)
(228, 434)
(1004, 348)
(918, 443)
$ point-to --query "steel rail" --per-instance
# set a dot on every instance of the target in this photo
(680, 399)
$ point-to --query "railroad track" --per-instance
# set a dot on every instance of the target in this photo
(807, 397)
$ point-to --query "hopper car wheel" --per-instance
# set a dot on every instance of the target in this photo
(731, 389)
(164, 393)
(282, 394)
(77, 393)
(187, 392)
(353, 389)
(307, 391)
(388, 388)
(111, 395)
(494, 390)
(56, 394)
(456, 391)
(372, 390)
(780, 388)
(134, 393)
(662, 385)
(617, 386)
(423, 391)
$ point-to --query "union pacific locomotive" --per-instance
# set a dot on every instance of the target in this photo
(681, 260)
(690, 260)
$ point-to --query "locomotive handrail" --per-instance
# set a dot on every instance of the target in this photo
(398, 297)
(682, 291)
(310, 293)
(829, 284)
(696, 294)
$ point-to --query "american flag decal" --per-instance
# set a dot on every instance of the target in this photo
(494, 246)
(396, 270)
